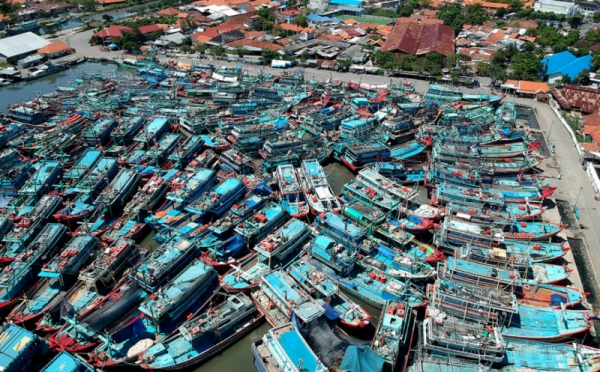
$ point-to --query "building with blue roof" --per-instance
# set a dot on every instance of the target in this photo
(564, 64)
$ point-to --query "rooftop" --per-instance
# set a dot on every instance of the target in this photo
(574, 97)
(112, 31)
(55, 47)
(556, 61)
(20, 44)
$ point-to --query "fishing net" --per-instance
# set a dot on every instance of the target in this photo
(128, 297)
(328, 341)
(361, 359)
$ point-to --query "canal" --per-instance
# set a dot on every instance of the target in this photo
(237, 357)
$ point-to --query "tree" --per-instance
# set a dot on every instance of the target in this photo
(405, 10)
(500, 13)
(452, 16)
(385, 13)
(266, 18)
(218, 50)
(529, 47)
(301, 21)
(475, 14)
(515, 5)
(240, 50)
(269, 55)
(576, 20)
(185, 48)
(344, 64)
(583, 78)
(495, 71)
(44, 14)
(304, 56)
(107, 18)
(200, 48)
(187, 41)
(525, 66)
(454, 60)
(596, 16)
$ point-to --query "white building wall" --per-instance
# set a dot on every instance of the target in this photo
(558, 7)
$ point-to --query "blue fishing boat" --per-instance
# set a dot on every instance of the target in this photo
(363, 214)
(220, 199)
(357, 156)
(337, 305)
(87, 162)
(77, 252)
(269, 217)
(190, 184)
(394, 331)
(276, 250)
(111, 261)
(507, 214)
(14, 176)
(25, 114)
(291, 196)
(215, 142)
(21, 349)
(152, 131)
(372, 288)
(389, 263)
(120, 189)
(343, 230)
(148, 196)
(159, 151)
(186, 151)
(99, 132)
(206, 159)
(126, 130)
(204, 335)
(409, 149)
(443, 93)
(450, 335)
(65, 362)
(236, 161)
(556, 357)
(399, 173)
(46, 174)
(10, 131)
(163, 263)
(316, 188)
(240, 212)
(97, 178)
(180, 292)
(280, 295)
(20, 275)
(284, 349)
(223, 252)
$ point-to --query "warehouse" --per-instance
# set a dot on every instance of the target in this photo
(20, 46)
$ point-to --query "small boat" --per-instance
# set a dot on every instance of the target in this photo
(220, 199)
(240, 212)
(316, 188)
(152, 131)
(394, 331)
(148, 196)
(343, 231)
(291, 196)
(164, 262)
(557, 357)
(99, 132)
(279, 296)
(268, 218)
(389, 263)
(412, 224)
(120, 189)
(46, 175)
(65, 362)
(188, 185)
(87, 162)
(285, 346)
(215, 142)
(337, 305)
(158, 153)
(187, 150)
(22, 350)
(77, 209)
(236, 161)
(97, 178)
(206, 159)
(127, 129)
(399, 173)
(204, 335)
(364, 214)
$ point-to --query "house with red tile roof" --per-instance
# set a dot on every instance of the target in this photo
(253, 45)
(411, 37)
(106, 35)
(168, 12)
(110, 2)
(577, 98)
(149, 28)
(421, 21)
(288, 15)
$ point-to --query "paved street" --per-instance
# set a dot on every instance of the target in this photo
(564, 169)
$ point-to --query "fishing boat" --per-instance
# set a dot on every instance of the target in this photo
(152, 131)
(240, 212)
(206, 159)
(336, 304)
(204, 335)
(269, 217)
(176, 297)
(110, 262)
(389, 263)
(236, 161)
(284, 349)
(220, 199)
(399, 173)
(449, 335)
(557, 357)
(46, 174)
(283, 241)
(186, 151)
(316, 188)
(188, 185)
(120, 189)
(159, 151)
(87, 162)
(394, 331)
(99, 132)
(224, 252)
(126, 129)
(97, 178)
(357, 156)
(483, 215)
(22, 350)
(366, 215)
(279, 296)
(164, 262)
(372, 288)
(66, 362)
(290, 191)
(343, 231)
(148, 196)
(14, 176)
(215, 142)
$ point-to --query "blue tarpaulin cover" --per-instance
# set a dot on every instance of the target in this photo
(330, 312)
(556, 300)
(361, 359)
(263, 189)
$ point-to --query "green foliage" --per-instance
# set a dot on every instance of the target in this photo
(240, 50)
(200, 48)
(515, 5)
(529, 47)
(301, 21)
(596, 16)
(583, 78)
(44, 14)
(525, 66)
(576, 20)
(218, 50)
(187, 41)
(385, 13)
(269, 55)
(266, 19)
(405, 10)
(107, 18)
(185, 48)
(304, 56)
(455, 59)
(344, 65)
(494, 71)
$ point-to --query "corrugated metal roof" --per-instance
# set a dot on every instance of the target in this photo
(586, 100)
(437, 38)
(21, 44)
(573, 68)
(404, 38)
(420, 39)
(556, 61)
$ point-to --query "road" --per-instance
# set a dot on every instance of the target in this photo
(563, 169)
